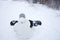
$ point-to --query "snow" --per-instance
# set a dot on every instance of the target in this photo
(50, 18)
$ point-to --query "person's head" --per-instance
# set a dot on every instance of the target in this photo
(22, 15)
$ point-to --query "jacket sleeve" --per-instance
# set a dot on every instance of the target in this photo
(12, 23)
(31, 23)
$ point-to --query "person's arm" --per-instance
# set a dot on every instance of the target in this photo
(31, 23)
(12, 23)
(36, 23)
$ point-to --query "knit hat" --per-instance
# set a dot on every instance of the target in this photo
(22, 15)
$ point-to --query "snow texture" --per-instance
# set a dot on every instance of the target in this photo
(10, 10)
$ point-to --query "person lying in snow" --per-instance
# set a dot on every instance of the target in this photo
(24, 28)
(32, 23)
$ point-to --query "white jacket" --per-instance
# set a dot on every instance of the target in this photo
(23, 30)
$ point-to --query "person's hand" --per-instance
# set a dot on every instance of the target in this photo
(12, 23)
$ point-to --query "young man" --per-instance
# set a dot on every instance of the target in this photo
(24, 28)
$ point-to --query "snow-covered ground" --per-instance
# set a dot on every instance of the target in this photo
(10, 10)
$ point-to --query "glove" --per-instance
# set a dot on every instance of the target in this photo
(12, 23)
